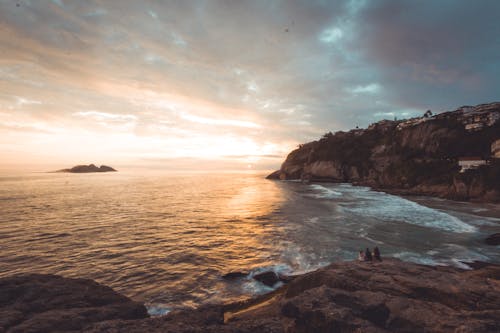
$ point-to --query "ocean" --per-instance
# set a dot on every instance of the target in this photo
(167, 238)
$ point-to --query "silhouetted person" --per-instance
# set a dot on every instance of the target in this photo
(361, 256)
(376, 254)
(368, 255)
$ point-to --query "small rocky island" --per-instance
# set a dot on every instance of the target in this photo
(387, 296)
(454, 155)
(88, 168)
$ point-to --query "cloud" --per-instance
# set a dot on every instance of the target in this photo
(20, 101)
(218, 122)
(371, 88)
(173, 76)
(101, 116)
(16, 127)
(331, 35)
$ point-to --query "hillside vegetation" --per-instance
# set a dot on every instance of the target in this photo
(419, 156)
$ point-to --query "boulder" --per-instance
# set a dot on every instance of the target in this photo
(48, 303)
(268, 278)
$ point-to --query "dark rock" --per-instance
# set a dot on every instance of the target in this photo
(493, 239)
(388, 296)
(394, 296)
(286, 278)
(234, 275)
(47, 303)
(477, 264)
(105, 168)
(88, 168)
(268, 278)
(275, 175)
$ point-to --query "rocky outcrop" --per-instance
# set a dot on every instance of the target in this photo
(50, 303)
(388, 296)
(88, 168)
(416, 156)
(268, 278)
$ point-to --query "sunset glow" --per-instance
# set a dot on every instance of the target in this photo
(236, 83)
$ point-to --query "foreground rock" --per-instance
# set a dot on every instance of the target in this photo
(391, 296)
(88, 168)
(268, 278)
(50, 303)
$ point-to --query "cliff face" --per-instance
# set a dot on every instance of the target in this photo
(416, 156)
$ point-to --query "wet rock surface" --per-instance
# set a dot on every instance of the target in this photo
(50, 303)
(268, 278)
(388, 296)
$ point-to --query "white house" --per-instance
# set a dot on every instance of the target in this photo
(469, 163)
(474, 127)
(495, 149)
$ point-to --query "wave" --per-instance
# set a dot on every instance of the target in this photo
(388, 207)
(155, 310)
(325, 193)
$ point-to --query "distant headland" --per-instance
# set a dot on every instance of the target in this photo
(88, 168)
(455, 155)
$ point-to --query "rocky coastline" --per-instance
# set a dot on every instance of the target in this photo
(387, 296)
(453, 155)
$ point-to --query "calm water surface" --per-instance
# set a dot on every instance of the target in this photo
(166, 239)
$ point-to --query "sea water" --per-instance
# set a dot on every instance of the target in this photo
(166, 239)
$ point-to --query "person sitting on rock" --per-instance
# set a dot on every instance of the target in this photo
(361, 256)
(368, 255)
(376, 254)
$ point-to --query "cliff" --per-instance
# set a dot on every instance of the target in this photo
(416, 156)
(387, 296)
(88, 168)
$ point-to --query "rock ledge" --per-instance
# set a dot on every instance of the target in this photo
(388, 296)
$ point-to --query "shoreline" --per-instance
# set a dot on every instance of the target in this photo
(391, 295)
(434, 191)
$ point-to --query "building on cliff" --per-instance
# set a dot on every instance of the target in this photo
(470, 163)
(413, 122)
(495, 149)
(481, 116)
(383, 125)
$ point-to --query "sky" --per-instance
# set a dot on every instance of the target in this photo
(228, 84)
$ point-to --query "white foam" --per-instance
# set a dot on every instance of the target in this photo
(416, 258)
(325, 193)
(313, 220)
(157, 310)
(392, 208)
(365, 236)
